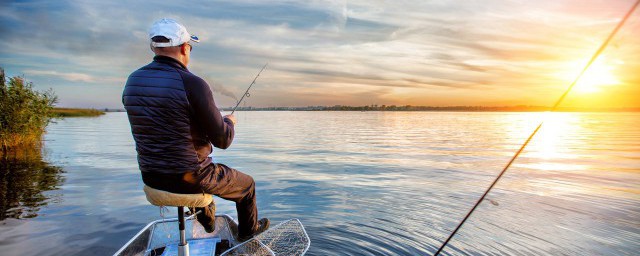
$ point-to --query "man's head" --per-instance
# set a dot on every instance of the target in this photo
(169, 38)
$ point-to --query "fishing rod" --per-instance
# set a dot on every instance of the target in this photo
(246, 93)
(555, 106)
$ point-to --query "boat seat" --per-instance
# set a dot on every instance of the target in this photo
(163, 198)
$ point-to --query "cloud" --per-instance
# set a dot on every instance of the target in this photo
(74, 77)
(384, 48)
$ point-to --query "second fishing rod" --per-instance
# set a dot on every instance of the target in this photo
(552, 109)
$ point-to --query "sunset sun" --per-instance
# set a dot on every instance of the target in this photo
(598, 76)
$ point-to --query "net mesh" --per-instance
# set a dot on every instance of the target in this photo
(286, 238)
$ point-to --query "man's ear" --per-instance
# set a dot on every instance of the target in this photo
(183, 49)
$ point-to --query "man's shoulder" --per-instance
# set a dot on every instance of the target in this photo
(147, 67)
(157, 69)
(192, 80)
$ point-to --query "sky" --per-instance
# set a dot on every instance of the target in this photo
(424, 52)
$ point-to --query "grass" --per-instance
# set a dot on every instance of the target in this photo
(76, 112)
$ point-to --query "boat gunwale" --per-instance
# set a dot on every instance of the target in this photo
(150, 224)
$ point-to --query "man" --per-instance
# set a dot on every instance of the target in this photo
(175, 122)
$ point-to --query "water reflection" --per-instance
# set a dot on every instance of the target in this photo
(24, 177)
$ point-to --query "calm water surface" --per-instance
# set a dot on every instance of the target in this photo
(362, 183)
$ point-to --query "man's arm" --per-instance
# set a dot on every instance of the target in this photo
(219, 130)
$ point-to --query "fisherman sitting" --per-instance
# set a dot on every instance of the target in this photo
(175, 124)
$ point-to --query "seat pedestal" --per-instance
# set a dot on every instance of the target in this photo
(183, 246)
(164, 198)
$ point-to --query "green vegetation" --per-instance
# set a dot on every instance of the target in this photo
(24, 112)
(24, 176)
(76, 112)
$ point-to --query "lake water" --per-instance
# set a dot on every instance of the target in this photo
(362, 183)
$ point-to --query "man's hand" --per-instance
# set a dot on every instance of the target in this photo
(232, 118)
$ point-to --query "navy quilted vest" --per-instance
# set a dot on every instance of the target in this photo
(160, 117)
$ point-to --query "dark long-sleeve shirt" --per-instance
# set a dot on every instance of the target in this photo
(206, 115)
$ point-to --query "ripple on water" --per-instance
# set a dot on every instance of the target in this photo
(372, 183)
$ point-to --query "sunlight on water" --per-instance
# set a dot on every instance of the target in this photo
(382, 183)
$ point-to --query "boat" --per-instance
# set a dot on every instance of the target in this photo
(161, 238)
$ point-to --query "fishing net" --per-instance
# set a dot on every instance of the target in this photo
(286, 238)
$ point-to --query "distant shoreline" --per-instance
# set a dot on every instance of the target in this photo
(421, 109)
(435, 109)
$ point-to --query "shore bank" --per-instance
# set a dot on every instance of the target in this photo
(76, 112)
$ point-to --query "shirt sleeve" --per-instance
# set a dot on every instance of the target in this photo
(219, 130)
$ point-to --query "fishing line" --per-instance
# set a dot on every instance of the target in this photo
(555, 106)
(165, 228)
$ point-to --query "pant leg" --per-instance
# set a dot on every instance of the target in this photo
(207, 217)
(233, 185)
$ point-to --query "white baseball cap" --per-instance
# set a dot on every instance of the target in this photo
(172, 30)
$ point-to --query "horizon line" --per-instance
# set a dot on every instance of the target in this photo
(373, 107)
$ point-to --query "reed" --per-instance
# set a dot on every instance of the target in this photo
(24, 112)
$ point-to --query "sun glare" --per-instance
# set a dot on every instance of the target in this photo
(599, 75)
